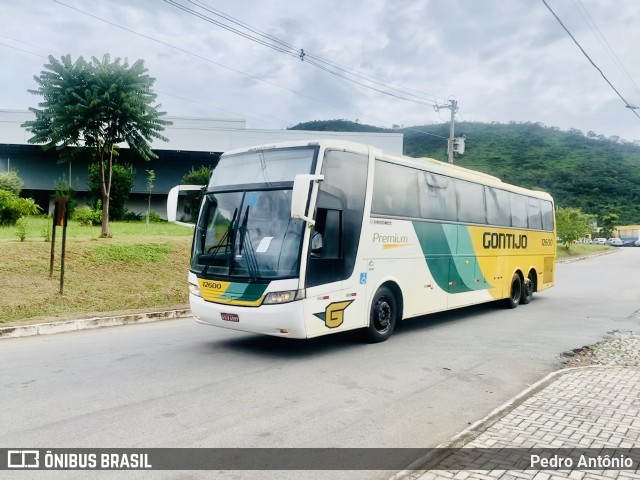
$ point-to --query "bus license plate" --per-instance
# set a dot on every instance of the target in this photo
(229, 317)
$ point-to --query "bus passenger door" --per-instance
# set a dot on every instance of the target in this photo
(333, 286)
(335, 302)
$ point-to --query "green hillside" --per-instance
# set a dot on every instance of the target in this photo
(598, 175)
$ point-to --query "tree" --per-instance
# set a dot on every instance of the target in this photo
(200, 176)
(608, 224)
(96, 105)
(151, 176)
(572, 224)
(122, 179)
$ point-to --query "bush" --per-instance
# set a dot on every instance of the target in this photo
(87, 216)
(45, 231)
(12, 207)
(21, 229)
(130, 216)
(11, 182)
(154, 217)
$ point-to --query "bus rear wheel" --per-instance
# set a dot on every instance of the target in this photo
(515, 294)
(382, 319)
(527, 289)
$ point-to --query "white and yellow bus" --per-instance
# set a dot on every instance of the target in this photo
(303, 239)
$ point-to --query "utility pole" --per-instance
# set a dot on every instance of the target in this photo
(453, 106)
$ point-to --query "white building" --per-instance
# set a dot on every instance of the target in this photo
(193, 142)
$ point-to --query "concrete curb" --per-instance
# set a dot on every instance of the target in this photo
(90, 323)
(585, 257)
(415, 471)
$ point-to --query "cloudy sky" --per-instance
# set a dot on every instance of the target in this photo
(501, 60)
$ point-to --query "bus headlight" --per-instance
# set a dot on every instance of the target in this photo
(283, 297)
(194, 289)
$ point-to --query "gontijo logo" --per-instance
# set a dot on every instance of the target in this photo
(503, 240)
(333, 315)
(391, 241)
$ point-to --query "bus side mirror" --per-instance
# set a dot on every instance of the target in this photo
(300, 196)
(172, 201)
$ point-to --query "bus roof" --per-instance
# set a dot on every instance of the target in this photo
(421, 163)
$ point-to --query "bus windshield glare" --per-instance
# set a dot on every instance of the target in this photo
(262, 167)
(245, 230)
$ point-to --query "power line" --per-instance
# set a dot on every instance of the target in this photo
(302, 54)
(23, 42)
(231, 29)
(208, 60)
(166, 44)
(292, 51)
(626, 104)
(197, 102)
(605, 44)
(22, 50)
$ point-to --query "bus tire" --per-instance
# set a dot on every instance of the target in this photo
(383, 316)
(515, 294)
(528, 288)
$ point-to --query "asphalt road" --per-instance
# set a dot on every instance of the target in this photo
(180, 384)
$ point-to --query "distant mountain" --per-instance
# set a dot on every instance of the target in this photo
(596, 174)
(337, 126)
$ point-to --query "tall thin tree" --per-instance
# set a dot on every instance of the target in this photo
(151, 176)
(96, 105)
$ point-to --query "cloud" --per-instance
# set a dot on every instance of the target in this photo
(502, 60)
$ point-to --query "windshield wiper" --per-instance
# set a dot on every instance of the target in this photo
(243, 229)
(251, 261)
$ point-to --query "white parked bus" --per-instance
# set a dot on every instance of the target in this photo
(303, 239)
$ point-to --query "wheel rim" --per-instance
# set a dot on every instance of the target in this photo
(383, 315)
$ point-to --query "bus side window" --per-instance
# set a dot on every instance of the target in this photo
(326, 238)
(318, 233)
(332, 234)
(326, 264)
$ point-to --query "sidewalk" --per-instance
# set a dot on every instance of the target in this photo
(583, 407)
(61, 326)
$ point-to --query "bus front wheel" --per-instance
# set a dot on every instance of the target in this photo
(516, 292)
(382, 319)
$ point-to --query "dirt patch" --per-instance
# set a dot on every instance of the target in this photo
(618, 348)
(579, 357)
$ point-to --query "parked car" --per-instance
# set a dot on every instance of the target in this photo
(628, 243)
(599, 241)
(636, 243)
(615, 242)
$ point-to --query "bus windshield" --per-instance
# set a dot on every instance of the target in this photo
(247, 234)
(262, 167)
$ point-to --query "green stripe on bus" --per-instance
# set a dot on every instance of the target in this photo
(245, 292)
(449, 254)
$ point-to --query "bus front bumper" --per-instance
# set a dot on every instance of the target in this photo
(284, 320)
